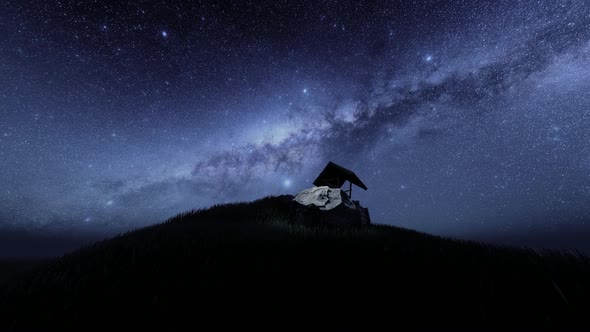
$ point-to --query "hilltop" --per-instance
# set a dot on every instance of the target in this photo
(257, 264)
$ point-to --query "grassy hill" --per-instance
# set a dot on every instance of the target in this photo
(256, 265)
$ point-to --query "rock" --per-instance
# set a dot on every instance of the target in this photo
(324, 197)
(325, 205)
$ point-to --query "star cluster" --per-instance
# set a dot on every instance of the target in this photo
(466, 119)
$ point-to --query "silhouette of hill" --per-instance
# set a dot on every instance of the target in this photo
(11, 268)
(256, 265)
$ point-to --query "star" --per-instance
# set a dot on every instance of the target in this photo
(305, 90)
(428, 58)
(164, 34)
(287, 183)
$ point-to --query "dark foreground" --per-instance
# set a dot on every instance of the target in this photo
(247, 265)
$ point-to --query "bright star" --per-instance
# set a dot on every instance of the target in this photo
(287, 183)
(164, 34)
(109, 203)
(305, 90)
(428, 58)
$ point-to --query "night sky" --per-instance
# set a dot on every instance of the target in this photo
(464, 118)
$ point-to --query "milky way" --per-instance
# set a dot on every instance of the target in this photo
(463, 119)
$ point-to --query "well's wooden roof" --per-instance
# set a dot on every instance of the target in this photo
(335, 175)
